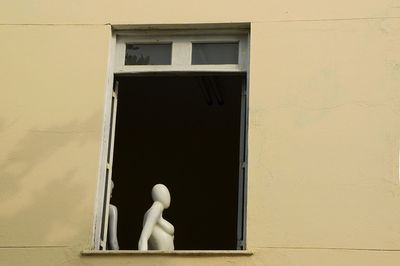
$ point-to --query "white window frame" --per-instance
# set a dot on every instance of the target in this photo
(181, 40)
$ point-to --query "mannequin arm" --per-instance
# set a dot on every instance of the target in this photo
(166, 226)
(150, 219)
(112, 228)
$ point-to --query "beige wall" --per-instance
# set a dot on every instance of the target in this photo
(323, 135)
(51, 112)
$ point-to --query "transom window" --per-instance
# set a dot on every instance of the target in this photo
(200, 52)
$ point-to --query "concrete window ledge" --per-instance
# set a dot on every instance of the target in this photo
(205, 253)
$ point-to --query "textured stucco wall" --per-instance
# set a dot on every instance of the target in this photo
(323, 135)
(51, 109)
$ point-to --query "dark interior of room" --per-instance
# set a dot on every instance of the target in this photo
(182, 131)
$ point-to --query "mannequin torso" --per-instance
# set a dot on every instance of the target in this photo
(157, 233)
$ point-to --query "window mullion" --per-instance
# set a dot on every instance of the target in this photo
(181, 53)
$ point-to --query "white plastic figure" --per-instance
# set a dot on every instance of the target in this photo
(112, 224)
(157, 233)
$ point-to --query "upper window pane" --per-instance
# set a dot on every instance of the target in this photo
(215, 53)
(148, 54)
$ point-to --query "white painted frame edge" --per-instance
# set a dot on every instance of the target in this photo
(96, 239)
(246, 144)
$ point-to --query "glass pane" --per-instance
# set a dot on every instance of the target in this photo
(215, 53)
(148, 54)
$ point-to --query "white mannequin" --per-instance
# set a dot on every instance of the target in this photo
(112, 224)
(157, 233)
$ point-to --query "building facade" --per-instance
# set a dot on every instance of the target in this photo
(322, 132)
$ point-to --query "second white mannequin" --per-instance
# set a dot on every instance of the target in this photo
(112, 225)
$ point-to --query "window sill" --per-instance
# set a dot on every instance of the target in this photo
(201, 253)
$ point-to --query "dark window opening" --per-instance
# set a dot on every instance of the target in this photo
(182, 131)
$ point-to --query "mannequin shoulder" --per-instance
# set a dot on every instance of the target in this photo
(113, 209)
(155, 209)
(157, 206)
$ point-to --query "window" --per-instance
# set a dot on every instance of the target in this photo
(177, 115)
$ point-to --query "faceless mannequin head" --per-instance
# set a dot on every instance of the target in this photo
(161, 194)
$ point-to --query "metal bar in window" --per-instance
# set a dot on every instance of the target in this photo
(242, 169)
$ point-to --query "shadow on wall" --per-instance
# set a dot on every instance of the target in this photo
(43, 198)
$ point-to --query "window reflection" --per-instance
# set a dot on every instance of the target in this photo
(148, 54)
(215, 53)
